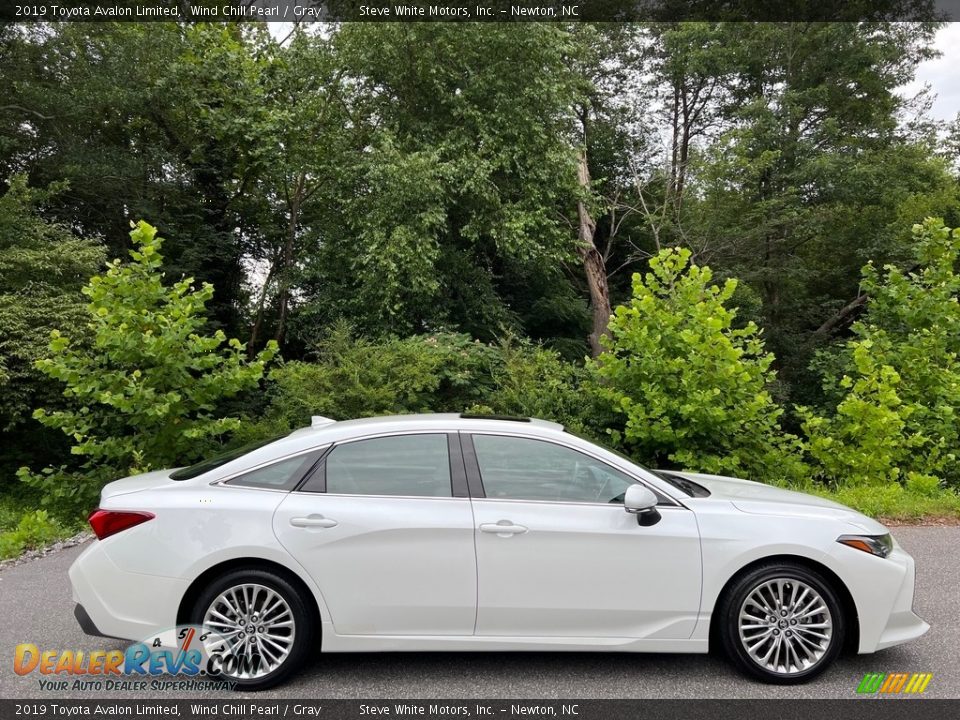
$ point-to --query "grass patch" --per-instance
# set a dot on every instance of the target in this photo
(13, 507)
(23, 527)
(895, 502)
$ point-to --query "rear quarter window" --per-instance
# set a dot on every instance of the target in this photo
(281, 475)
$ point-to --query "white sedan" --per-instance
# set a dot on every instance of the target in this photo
(457, 532)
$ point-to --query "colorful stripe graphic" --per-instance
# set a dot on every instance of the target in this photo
(893, 683)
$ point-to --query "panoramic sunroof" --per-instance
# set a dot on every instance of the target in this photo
(481, 416)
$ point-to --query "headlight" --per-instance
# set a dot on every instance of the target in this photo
(879, 545)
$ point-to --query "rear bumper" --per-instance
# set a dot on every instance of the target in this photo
(115, 603)
(85, 622)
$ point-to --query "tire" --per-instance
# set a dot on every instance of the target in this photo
(801, 642)
(289, 628)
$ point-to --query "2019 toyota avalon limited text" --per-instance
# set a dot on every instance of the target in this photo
(450, 532)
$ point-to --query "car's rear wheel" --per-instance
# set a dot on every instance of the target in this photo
(261, 627)
(782, 623)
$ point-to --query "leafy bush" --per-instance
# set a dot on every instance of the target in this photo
(442, 372)
(42, 269)
(898, 417)
(863, 442)
(692, 387)
(145, 394)
(35, 529)
(532, 381)
(356, 377)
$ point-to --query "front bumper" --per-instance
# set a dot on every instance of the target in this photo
(882, 590)
(120, 604)
(903, 624)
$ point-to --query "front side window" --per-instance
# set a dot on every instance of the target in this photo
(411, 465)
(282, 475)
(514, 468)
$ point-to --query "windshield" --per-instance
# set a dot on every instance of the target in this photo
(687, 487)
(223, 458)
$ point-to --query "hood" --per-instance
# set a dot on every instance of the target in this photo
(753, 497)
(135, 483)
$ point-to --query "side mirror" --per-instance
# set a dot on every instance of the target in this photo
(640, 501)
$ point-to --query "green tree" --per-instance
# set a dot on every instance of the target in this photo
(353, 377)
(810, 172)
(460, 190)
(693, 389)
(166, 122)
(145, 394)
(530, 380)
(42, 268)
(898, 418)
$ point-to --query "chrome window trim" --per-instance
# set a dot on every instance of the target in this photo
(571, 502)
(378, 497)
(677, 503)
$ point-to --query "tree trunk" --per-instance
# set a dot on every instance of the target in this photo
(287, 266)
(261, 309)
(844, 316)
(593, 264)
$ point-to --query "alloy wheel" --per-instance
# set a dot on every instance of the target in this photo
(785, 626)
(255, 624)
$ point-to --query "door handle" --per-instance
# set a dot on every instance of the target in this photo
(311, 521)
(503, 528)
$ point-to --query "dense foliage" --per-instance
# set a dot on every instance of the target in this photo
(349, 376)
(898, 418)
(43, 266)
(145, 393)
(432, 216)
(694, 389)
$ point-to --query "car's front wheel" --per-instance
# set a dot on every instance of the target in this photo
(261, 628)
(782, 623)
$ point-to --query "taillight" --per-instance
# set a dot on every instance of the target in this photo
(109, 522)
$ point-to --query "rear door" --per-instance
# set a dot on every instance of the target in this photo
(385, 528)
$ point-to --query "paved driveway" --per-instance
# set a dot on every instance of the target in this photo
(35, 606)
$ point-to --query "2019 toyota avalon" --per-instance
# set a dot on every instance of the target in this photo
(456, 532)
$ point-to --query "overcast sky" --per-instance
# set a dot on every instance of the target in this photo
(942, 74)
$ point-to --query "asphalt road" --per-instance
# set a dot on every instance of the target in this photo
(35, 606)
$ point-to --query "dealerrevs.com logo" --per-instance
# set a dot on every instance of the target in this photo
(200, 657)
(894, 683)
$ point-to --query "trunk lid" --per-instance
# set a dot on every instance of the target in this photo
(136, 483)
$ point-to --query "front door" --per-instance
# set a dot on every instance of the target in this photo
(557, 555)
(378, 528)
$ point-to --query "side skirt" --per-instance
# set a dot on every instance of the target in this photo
(425, 643)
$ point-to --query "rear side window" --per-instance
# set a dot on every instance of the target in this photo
(411, 465)
(212, 463)
(281, 475)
